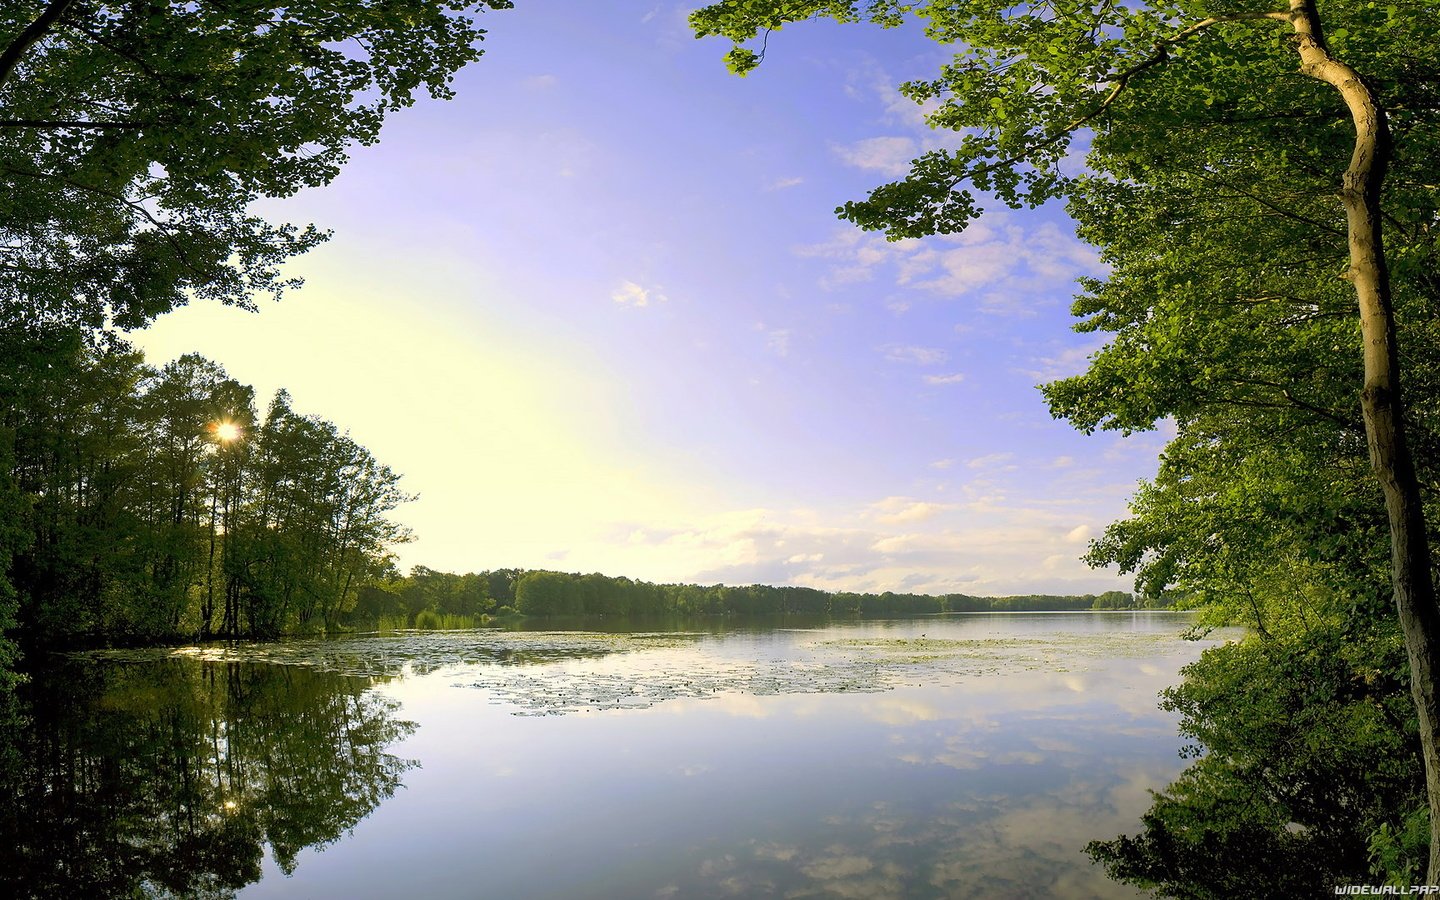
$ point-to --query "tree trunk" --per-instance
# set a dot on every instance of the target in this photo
(207, 607)
(1380, 399)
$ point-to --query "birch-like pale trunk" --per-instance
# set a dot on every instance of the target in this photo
(1380, 399)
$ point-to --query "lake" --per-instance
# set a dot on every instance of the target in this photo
(945, 756)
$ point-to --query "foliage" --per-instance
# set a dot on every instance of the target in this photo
(1309, 761)
(544, 593)
(134, 138)
(1263, 511)
(1398, 852)
(424, 599)
(138, 520)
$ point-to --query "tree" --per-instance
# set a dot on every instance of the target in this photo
(194, 484)
(135, 136)
(144, 505)
(1248, 115)
(73, 455)
(1307, 771)
(311, 528)
(542, 593)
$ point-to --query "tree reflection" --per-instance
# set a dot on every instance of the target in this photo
(170, 777)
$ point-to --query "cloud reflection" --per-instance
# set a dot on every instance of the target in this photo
(990, 847)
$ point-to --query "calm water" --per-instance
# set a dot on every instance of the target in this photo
(957, 756)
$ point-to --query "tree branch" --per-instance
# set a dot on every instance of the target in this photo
(1160, 54)
(48, 123)
(27, 38)
(1273, 207)
(164, 229)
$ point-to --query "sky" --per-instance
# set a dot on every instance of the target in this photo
(600, 314)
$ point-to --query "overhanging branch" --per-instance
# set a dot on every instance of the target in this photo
(27, 38)
(51, 123)
(1159, 55)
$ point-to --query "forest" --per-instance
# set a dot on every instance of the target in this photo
(137, 504)
(427, 598)
(153, 504)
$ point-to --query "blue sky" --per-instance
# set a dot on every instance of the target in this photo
(600, 313)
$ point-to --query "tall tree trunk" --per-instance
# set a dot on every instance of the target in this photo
(1380, 399)
(207, 608)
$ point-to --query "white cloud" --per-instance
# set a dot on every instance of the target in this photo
(945, 379)
(942, 464)
(990, 461)
(844, 275)
(631, 294)
(894, 510)
(540, 82)
(1063, 362)
(871, 82)
(777, 340)
(781, 184)
(915, 356)
(898, 543)
(889, 156)
(999, 266)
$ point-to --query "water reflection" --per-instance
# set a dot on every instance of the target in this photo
(172, 777)
(963, 791)
(547, 673)
(944, 758)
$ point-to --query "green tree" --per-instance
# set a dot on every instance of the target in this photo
(75, 452)
(314, 526)
(193, 487)
(134, 138)
(1232, 129)
(444, 593)
(1307, 757)
(500, 584)
(144, 505)
(541, 593)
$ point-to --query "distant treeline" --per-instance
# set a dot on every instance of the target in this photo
(141, 504)
(427, 597)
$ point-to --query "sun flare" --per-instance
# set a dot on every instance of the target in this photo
(226, 431)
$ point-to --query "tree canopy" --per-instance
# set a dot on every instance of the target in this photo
(135, 137)
(157, 503)
(135, 141)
